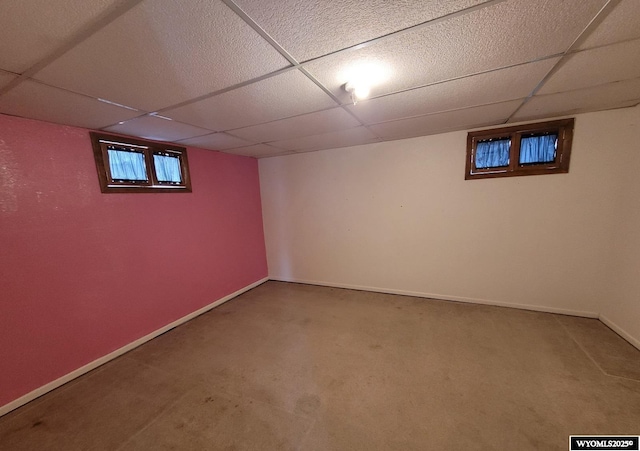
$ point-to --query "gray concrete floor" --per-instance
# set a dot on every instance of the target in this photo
(289, 366)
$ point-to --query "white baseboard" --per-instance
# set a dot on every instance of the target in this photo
(620, 331)
(537, 308)
(102, 360)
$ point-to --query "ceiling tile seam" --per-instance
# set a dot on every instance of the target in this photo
(443, 111)
(333, 97)
(8, 72)
(606, 9)
(588, 29)
(230, 130)
(280, 49)
(242, 84)
(98, 99)
(609, 44)
(209, 131)
(12, 84)
(226, 131)
(125, 121)
(250, 141)
(276, 155)
(577, 51)
(254, 145)
(275, 147)
(462, 77)
(271, 143)
(288, 152)
(258, 29)
(261, 31)
(439, 131)
(393, 34)
(89, 29)
(600, 85)
(339, 146)
(368, 127)
(569, 113)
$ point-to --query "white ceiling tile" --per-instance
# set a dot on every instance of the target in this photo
(596, 67)
(449, 121)
(38, 101)
(298, 126)
(623, 23)
(217, 141)
(308, 29)
(492, 87)
(284, 95)
(612, 95)
(35, 28)
(505, 34)
(163, 52)
(258, 150)
(6, 78)
(342, 138)
(157, 128)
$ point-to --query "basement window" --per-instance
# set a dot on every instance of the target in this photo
(127, 165)
(530, 149)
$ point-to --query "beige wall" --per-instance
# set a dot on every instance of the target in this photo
(399, 217)
(621, 306)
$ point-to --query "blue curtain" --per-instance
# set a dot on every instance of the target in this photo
(167, 168)
(126, 165)
(492, 154)
(538, 149)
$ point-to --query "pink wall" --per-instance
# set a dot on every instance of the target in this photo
(84, 273)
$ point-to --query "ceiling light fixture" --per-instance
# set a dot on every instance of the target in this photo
(360, 77)
(357, 91)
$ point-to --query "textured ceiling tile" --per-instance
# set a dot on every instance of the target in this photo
(623, 23)
(32, 29)
(151, 127)
(284, 95)
(217, 141)
(164, 52)
(491, 38)
(295, 127)
(448, 121)
(308, 29)
(37, 101)
(342, 138)
(492, 87)
(596, 67)
(259, 150)
(613, 95)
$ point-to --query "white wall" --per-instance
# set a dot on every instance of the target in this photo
(621, 306)
(399, 217)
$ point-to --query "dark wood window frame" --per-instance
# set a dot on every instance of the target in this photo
(563, 128)
(101, 142)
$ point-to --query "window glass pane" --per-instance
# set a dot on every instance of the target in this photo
(127, 165)
(167, 168)
(538, 149)
(493, 153)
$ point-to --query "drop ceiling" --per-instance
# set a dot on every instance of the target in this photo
(265, 77)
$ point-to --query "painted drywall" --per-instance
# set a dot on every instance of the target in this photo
(621, 307)
(400, 217)
(84, 273)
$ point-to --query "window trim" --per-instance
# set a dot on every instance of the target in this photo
(564, 129)
(100, 143)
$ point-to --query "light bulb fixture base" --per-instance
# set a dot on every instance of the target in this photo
(357, 91)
